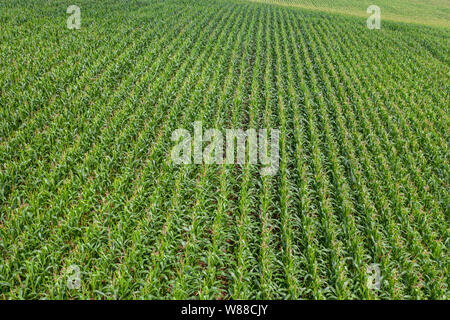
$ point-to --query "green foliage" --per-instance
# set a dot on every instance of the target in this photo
(85, 140)
(426, 12)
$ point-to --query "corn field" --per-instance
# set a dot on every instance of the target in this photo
(85, 141)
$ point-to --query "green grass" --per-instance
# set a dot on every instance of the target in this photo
(427, 12)
(85, 140)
